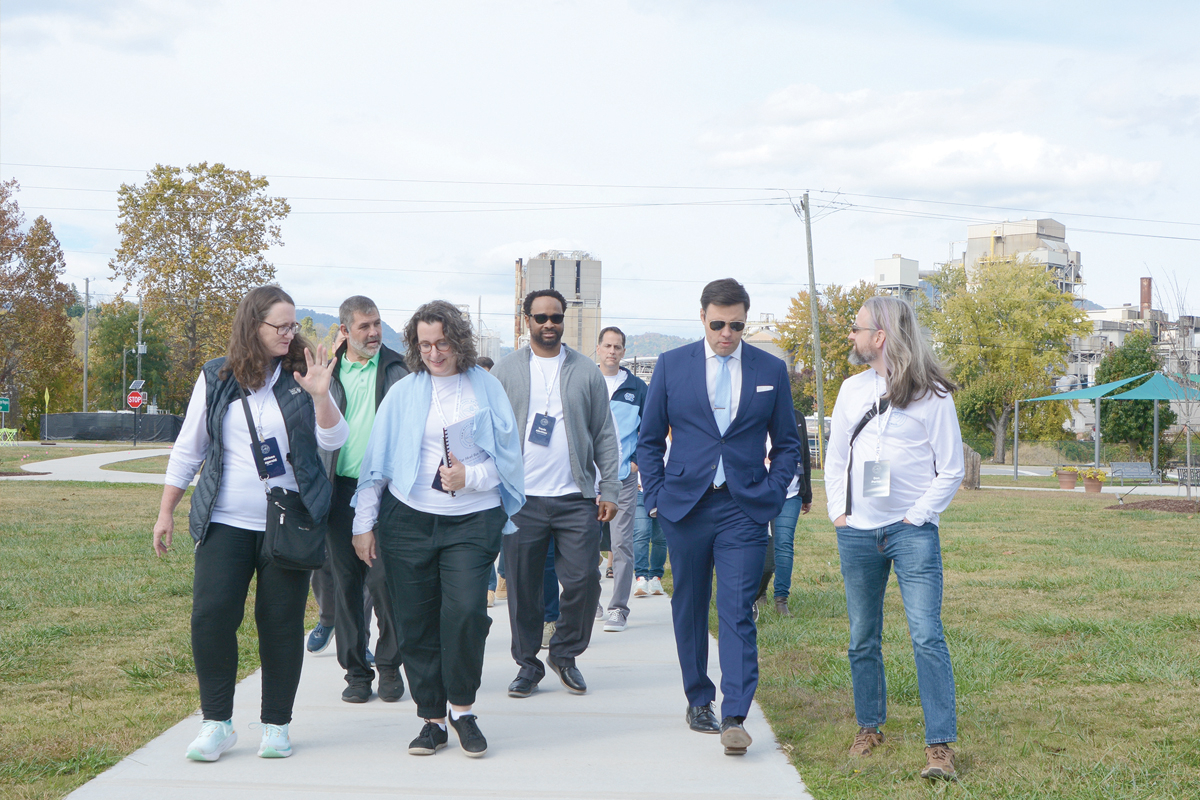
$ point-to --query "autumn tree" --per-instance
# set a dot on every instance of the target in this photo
(1005, 329)
(114, 340)
(192, 244)
(36, 339)
(1132, 421)
(836, 309)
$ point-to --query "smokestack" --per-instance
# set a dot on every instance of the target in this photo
(1146, 302)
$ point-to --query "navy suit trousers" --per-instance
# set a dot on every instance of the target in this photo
(716, 534)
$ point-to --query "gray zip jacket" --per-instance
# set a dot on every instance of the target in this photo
(591, 437)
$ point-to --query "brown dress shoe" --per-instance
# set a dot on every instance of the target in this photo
(865, 741)
(939, 762)
(781, 607)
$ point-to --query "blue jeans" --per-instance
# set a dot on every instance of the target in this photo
(785, 536)
(916, 553)
(649, 544)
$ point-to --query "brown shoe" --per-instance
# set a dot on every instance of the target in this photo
(501, 587)
(781, 607)
(939, 762)
(865, 741)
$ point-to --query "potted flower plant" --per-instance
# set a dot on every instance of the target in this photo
(1067, 477)
(1093, 479)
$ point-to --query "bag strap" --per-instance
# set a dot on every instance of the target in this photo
(862, 423)
(255, 444)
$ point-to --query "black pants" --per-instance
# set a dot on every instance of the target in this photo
(437, 573)
(225, 563)
(570, 522)
(351, 626)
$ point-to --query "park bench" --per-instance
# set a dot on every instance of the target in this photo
(1134, 471)
(1187, 476)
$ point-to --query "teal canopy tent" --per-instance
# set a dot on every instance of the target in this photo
(1093, 393)
(1160, 388)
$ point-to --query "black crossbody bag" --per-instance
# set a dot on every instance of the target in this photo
(862, 423)
(292, 539)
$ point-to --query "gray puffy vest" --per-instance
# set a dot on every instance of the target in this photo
(299, 418)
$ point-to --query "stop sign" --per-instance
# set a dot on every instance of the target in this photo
(134, 399)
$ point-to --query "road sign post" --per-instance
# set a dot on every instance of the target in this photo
(3, 410)
(136, 398)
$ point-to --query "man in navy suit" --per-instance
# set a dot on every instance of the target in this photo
(719, 399)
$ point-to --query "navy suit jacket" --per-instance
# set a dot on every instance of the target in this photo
(678, 402)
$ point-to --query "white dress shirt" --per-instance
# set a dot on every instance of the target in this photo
(240, 500)
(922, 444)
(712, 368)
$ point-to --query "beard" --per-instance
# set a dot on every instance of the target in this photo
(549, 337)
(861, 359)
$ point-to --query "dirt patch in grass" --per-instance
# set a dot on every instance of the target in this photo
(1170, 504)
(19, 473)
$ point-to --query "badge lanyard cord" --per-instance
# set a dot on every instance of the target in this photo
(881, 420)
(549, 384)
(437, 402)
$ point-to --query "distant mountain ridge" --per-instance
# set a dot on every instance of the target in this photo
(653, 344)
(391, 336)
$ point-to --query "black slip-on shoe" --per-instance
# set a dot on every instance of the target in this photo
(522, 687)
(571, 677)
(734, 737)
(701, 719)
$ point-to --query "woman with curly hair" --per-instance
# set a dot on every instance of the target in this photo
(270, 365)
(437, 522)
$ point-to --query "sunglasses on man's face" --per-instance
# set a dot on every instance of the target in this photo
(718, 324)
(541, 319)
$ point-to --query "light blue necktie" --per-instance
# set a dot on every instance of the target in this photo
(722, 401)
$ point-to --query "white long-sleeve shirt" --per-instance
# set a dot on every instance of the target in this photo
(922, 444)
(240, 500)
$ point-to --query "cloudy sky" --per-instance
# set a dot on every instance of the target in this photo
(425, 146)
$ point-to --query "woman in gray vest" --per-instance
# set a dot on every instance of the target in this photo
(288, 394)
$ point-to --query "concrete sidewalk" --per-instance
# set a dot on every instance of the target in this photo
(87, 468)
(626, 738)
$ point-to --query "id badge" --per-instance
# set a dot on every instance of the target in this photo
(543, 428)
(877, 479)
(272, 459)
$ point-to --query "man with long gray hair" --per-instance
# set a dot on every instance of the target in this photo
(895, 461)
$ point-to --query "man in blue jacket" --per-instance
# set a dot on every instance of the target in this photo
(720, 399)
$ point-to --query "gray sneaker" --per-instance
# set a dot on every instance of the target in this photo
(615, 622)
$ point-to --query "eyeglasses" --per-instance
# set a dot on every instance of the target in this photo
(442, 346)
(856, 329)
(283, 330)
(718, 324)
(541, 319)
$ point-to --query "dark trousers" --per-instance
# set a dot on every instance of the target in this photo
(437, 571)
(324, 589)
(351, 622)
(570, 522)
(716, 534)
(225, 563)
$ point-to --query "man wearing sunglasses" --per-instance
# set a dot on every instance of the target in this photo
(561, 405)
(719, 399)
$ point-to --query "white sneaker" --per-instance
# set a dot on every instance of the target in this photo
(599, 612)
(214, 738)
(275, 742)
(641, 587)
(656, 586)
(615, 622)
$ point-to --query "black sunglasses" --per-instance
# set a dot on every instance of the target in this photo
(717, 324)
(541, 319)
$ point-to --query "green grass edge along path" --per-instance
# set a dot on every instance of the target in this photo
(1073, 630)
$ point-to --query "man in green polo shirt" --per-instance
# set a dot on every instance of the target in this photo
(366, 370)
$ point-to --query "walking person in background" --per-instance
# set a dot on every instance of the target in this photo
(437, 521)
(720, 399)
(627, 397)
(289, 402)
(895, 461)
(366, 370)
(561, 406)
(799, 501)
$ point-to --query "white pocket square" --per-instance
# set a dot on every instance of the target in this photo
(765, 388)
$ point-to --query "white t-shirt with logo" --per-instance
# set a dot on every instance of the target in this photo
(547, 468)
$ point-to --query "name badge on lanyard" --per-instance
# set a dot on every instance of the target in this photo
(877, 474)
(543, 428)
(272, 458)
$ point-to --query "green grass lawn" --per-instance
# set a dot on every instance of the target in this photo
(156, 465)
(1074, 636)
(95, 651)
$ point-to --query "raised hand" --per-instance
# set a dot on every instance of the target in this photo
(320, 372)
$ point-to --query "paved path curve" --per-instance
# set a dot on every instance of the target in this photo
(87, 468)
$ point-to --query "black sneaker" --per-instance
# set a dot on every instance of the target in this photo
(357, 691)
(469, 736)
(431, 739)
(391, 685)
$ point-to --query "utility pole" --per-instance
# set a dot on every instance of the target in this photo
(141, 348)
(818, 370)
(87, 301)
